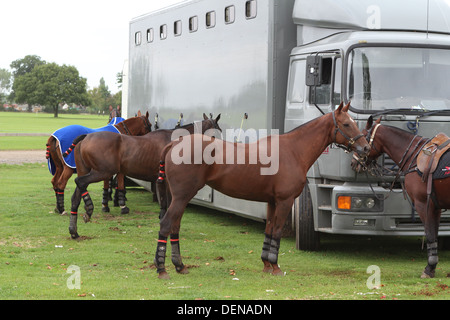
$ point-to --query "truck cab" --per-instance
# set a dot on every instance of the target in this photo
(388, 61)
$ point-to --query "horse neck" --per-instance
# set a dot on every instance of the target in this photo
(311, 139)
(191, 127)
(132, 126)
(395, 143)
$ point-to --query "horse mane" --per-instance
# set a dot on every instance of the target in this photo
(399, 131)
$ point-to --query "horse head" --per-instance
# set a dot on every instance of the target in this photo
(210, 123)
(367, 163)
(346, 133)
(136, 126)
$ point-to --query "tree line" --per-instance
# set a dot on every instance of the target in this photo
(34, 81)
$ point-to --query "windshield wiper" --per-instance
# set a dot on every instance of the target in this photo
(408, 111)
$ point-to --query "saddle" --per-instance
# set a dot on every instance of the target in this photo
(428, 159)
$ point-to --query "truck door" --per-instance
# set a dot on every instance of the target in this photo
(314, 87)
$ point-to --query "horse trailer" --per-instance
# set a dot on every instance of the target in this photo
(277, 64)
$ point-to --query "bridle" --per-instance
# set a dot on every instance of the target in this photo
(351, 141)
(147, 125)
(406, 157)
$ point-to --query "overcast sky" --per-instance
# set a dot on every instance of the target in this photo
(91, 35)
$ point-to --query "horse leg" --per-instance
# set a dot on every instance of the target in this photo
(60, 186)
(121, 194)
(170, 225)
(176, 254)
(274, 229)
(431, 224)
(82, 183)
(268, 239)
(54, 154)
(106, 197)
(59, 194)
(76, 199)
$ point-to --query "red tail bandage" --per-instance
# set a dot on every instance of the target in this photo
(162, 172)
(69, 151)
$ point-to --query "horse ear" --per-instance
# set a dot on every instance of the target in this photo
(218, 118)
(369, 123)
(345, 109)
(205, 117)
(147, 115)
(139, 113)
(339, 109)
(378, 121)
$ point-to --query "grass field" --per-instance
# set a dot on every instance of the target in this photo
(114, 258)
(115, 255)
(40, 123)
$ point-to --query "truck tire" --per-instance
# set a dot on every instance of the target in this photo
(307, 238)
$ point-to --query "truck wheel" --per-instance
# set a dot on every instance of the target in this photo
(307, 238)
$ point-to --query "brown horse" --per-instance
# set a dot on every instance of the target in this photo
(276, 179)
(136, 157)
(139, 125)
(403, 148)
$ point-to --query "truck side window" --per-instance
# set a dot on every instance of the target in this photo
(177, 28)
(163, 32)
(337, 87)
(297, 82)
(322, 94)
(229, 14)
(137, 38)
(193, 24)
(250, 9)
(150, 35)
(211, 19)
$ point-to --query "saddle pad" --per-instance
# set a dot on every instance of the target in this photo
(443, 167)
(66, 135)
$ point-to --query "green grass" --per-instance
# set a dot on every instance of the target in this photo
(115, 254)
(24, 122)
(42, 123)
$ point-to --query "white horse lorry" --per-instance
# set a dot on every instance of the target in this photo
(277, 64)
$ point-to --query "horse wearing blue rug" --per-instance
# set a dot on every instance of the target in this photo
(61, 162)
(65, 136)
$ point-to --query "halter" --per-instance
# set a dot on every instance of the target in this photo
(351, 141)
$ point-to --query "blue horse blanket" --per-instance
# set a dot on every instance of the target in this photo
(66, 135)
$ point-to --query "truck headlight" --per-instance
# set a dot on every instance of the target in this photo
(359, 203)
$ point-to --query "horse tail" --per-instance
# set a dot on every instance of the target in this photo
(74, 143)
(47, 154)
(162, 163)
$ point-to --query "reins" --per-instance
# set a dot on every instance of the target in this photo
(402, 163)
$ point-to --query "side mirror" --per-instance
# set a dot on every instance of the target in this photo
(314, 71)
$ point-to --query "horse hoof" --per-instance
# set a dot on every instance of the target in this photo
(268, 270)
(125, 210)
(61, 213)
(278, 272)
(163, 276)
(74, 236)
(185, 270)
(86, 218)
(105, 209)
(426, 275)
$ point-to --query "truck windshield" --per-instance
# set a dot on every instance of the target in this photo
(386, 78)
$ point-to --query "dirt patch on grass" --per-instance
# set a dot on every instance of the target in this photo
(22, 156)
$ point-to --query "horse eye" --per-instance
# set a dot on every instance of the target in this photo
(346, 125)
